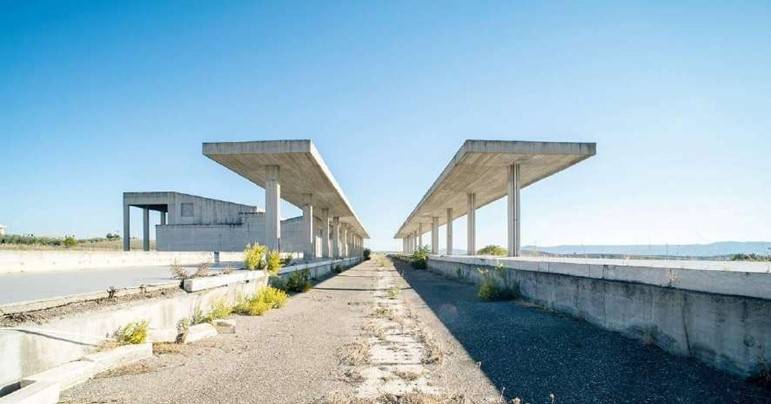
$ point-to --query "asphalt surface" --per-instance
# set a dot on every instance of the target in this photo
(533, 353)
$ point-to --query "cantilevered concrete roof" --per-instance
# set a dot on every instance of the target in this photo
(480, 166)
(302, 171)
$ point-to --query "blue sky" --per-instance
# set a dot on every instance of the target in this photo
(97, 98)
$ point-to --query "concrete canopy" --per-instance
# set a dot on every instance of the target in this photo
(480, 166)
(303, 171)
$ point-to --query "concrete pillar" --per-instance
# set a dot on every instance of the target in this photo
(146, 229)
(126, 228)
(512, 189)
(434, 235)
(420, 234)
(272, 207)
(449, 231)
(471, 236)
(344, 242)
(336, 237)
(325, 233)
(309, 237)
(163, 218)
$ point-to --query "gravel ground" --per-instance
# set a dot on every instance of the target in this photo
(289, 355)
(533, 353)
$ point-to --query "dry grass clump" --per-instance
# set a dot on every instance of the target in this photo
(177, 272)
(356, 353)
(161, 348)
(407, 375)
(127, 370)
(434, 352)
(393, 292)
(202, 270)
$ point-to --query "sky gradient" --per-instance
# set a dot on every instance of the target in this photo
(98, 98)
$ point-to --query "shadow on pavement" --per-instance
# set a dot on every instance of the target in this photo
(533, 353)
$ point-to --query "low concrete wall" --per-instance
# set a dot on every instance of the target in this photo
(720, 318)
(27, 350)
(31, 349)
(45, 261)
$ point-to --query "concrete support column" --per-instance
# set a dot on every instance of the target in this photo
(325, 233)
(420, 234)
(146, 229)
(434, 235)
(336, 237)
(512, 189)
(449, 231)
(309, 236)
(273, 207)
(471, 236)
(126, 228)
(163, 218)
(344, 242)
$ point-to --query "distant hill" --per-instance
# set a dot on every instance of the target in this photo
(720, 248)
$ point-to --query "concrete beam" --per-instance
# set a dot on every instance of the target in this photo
(146, 229)
(471, 224)
(273, 207)
(512, 210)
(449, 231)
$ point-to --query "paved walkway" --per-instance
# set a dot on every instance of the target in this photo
(370, 332)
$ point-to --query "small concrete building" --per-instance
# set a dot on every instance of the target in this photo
(291, 170)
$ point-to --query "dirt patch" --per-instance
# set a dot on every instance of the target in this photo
(41, 316)
(132, 369)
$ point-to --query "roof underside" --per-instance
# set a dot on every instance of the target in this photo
(302, 171)
(481, 167)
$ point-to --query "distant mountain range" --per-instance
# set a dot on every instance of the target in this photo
(684, 250)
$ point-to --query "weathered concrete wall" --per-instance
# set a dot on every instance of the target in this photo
(231, 237)
(32, 349)
(45, 260)
(720, 318)
(207, 211)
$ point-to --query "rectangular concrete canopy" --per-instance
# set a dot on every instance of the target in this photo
(302, 171)
(480, 166)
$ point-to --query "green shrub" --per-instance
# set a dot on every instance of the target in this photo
(299, 281)
(273, 262)
(366, 253)
(337, 269)
(494, 290)
(198, 317)
(493, 249)
(220, 309)
(133, 333)
(272, 296)
(254, 256)
(70, 241)
(419, 258)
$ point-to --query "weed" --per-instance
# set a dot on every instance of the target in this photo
(133, 333)
(177, 272)
(299, 281)
(491, 290)
(160, 348)
(356, 353)
(202, 270)
(273, 262)
(393, 292)
(70, 241)
(337, 269)
(198, 317)
(407, 375)
(220, 309)
(254, 256)
(419, 258)
(265, 299)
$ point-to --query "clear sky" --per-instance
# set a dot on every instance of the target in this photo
(97, 98)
